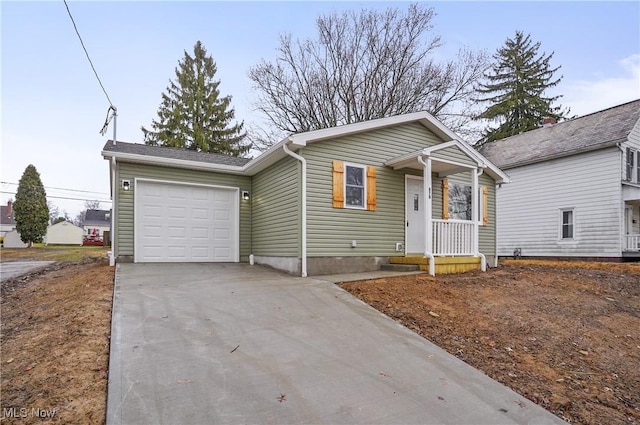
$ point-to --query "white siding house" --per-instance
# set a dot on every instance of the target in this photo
(575, 188)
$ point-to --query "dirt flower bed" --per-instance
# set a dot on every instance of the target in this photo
(564, 335)
(55, 341)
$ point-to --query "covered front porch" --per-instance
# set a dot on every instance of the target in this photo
(444, 207)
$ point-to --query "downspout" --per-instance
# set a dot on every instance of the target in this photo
(483, 259)
(112, 256)
(426, 180)
(303, 162)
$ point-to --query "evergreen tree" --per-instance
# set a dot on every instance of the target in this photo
(193, 115)
(515, 87)
(30, 208)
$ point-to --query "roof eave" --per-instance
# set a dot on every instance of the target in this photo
(608, 144)
(180, 163)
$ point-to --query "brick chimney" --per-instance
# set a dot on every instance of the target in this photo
(548, 121)
(9, 208)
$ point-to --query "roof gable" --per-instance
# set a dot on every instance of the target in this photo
(583, 134)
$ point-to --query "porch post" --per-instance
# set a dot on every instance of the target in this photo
(428, 207)
(474, 209)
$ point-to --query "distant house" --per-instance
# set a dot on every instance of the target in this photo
(64, 233)
(96, 222)
(575, 189)
(12, 240)
(7, 222)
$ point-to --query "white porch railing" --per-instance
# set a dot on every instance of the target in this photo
(632, 243)
(453, 237)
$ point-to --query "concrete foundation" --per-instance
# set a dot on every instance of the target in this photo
(334, 265)
(291, 265)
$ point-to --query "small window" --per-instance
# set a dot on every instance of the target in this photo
(568, 224)
(459, 201)
(638, 167)
(630, 153)
(354, 186)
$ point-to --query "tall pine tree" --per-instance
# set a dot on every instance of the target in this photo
(30, 208)
(193, 115)
(515, 89)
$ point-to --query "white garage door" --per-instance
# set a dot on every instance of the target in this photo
(180, 223)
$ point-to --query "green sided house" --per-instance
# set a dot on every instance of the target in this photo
(403, 189)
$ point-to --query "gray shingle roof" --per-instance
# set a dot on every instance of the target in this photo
(173, 153)
(97, 218)
(589, 132)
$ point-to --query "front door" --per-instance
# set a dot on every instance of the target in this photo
(414, 216)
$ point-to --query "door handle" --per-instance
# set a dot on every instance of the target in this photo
(407, 223)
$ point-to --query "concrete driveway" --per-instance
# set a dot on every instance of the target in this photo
(233, 343)
(18, 268)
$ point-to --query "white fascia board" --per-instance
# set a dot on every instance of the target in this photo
(424, 118)
(394, 162)
(182, 163)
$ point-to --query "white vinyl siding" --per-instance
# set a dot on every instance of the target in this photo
(529, 206)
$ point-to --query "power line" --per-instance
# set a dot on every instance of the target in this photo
(87, 53)
(62, 197)
(62, 188)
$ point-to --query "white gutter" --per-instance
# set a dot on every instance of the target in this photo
(304, 205)
(234, 169)
(426, 180)
(112, 256)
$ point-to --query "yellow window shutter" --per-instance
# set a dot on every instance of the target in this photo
(371, 188)
(445, 199)
(338, 184)
(485, 205)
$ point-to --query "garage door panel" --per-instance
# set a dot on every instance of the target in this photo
(177, 212)
(152, 211)
(152, 231)
(185, 223)
(200, 214)
(200, 233)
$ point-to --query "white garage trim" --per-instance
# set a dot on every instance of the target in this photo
(137, 208)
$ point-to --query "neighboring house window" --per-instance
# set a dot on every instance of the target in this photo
(629, 168)
(459, 201)
(354, 186)
(567, 228)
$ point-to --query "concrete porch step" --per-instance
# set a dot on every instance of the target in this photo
(400, 267)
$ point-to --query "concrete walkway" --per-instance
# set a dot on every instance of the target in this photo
(18, 268)
(353, 277)
(233, 343)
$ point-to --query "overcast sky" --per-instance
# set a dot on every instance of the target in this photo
(53, 106)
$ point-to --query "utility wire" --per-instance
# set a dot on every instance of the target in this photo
(62, 188)
(87, 53)
(62, 197)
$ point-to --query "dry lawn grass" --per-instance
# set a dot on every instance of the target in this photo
(55, 344)
(564, 335)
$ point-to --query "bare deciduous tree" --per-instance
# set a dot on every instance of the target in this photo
(364, 66)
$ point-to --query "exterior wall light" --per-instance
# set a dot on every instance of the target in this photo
(126, 184)
(245, 195)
